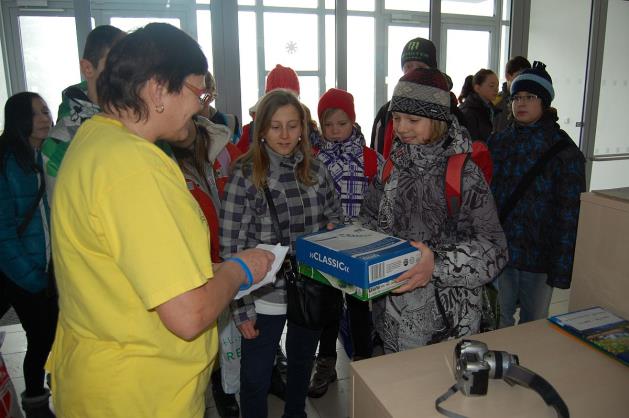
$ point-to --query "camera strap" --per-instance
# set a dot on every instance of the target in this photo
(453, 389)
(522, 376)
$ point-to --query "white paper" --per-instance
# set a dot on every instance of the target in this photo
(280, 253)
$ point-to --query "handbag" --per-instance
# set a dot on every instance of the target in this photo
(310, 304)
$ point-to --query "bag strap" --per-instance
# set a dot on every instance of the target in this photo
(370, 160)
(274, 218)
(454, 180)
(31, 210)
(530, 175)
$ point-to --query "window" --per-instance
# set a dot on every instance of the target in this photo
(204, 36)
(360, 68)
(4, 94)
(129, 24)
(248, 62)
(48, 68)
(290, 39)
(416, 5)
(291, 3)
(467, 7)
(468, 52)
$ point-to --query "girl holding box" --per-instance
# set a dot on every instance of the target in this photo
(440, 297)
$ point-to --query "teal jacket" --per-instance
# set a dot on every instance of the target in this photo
(23, 259)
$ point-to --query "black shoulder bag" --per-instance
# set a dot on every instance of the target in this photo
(310, 304)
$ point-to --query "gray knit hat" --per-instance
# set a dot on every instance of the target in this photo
(422, 92)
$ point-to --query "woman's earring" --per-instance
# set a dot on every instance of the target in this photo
(159, 109)
(262, 140)
(299, 139)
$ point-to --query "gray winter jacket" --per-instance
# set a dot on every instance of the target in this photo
(470, 247)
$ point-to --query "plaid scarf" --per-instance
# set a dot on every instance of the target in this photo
(346, 165)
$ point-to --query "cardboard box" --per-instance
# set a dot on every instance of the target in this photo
(356, 256)
(363, 294)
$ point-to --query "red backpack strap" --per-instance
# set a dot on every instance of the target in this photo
(482, 157)
(245, 138)
(370, 159)
(388, 138)
(387, 170)
(454, 180)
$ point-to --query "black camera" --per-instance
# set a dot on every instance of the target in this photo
(475, 364)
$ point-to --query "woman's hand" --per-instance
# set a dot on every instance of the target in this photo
(248, 329)
(259, 262)
(420, 274)
(330, 226)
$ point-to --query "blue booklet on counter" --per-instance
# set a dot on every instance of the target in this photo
(600, 328)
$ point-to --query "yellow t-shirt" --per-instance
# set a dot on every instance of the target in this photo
(127, 237)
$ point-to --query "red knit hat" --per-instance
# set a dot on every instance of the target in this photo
(282, 77)
(336, 99)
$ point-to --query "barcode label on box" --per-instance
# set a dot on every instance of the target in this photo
(376, 272)
(392, 266)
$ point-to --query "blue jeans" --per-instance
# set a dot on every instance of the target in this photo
(530, 289)
(256, 365)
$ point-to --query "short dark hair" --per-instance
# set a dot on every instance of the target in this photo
(159, 51)
(18, 127)
(99, 41)
(516, 64)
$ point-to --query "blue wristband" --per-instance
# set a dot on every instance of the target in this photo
(245, 268)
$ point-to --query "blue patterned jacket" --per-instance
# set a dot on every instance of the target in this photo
(541, 230)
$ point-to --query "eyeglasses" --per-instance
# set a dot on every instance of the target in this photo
(203, 94)
(526, 98)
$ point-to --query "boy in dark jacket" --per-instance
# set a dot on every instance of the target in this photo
(541, 226)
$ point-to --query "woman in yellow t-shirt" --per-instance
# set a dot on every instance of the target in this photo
(138, 298)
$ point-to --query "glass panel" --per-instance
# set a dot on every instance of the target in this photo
(204, 35)
(291, 40)
(568, 68)
(49, 69)
(611, 137)
(416, 6)
(360, 68)
(4, 94)
(330, 4)
(467, 7)
(398, 37)
(468, 52)
(246, 2)
(365, 5)
(203, 1)
(330, 52)
(248, 62)
(309, 93)
(129, 24)
(291, 3)
(504, 52)
(609, 174)
(506, 9)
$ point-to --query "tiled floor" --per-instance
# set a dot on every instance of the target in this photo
(333, 404)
